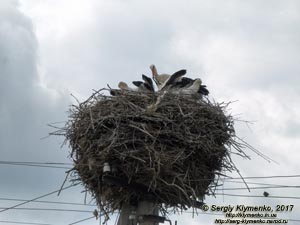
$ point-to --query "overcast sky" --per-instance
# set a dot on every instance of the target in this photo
(244, 51)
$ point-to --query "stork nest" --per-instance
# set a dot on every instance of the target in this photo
(170, 149)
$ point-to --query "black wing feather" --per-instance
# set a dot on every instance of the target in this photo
(174, 76)
(185, 81)
(137, 83)
(148, 83)
(203, 90)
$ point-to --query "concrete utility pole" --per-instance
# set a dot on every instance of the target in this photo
(146, 214)
(124, 215)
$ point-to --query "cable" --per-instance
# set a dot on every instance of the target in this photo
(28, 162)
(28, 223)
(263, 177)
(82, 220)
(34, 165)
(241, 182)
(226, 178)
(220, 214)
(40, 164)
(52, 209)
(42, 196)
(56, 167)
(118, 217)
(48, 202)
(266, 187)
(258, 196)
(205, 213)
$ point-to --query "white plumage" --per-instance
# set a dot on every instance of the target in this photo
(193, 89)
(124, 86)
(159, 79)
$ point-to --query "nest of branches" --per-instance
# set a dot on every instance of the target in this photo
(165, 148)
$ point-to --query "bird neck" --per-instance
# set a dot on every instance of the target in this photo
(154, 71)
(155, 75)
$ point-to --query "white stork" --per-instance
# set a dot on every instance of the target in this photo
(193, 89)
(173, 80)
(124, 86)
(188, 85)
(159, 79)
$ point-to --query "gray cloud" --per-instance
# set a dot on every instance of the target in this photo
(25, 106)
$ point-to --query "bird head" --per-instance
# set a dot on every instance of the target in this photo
(152, 66)
(154, 71)
(154, 74)
(198, 82)
(123, 86)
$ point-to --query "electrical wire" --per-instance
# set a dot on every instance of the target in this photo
(51, 165)
(220, 214)
(52, 209)
(258, 196)
(48, 202)
(227, 178)
(82, 220)
(41, 163)
(258, 183)
(33, 165)
(28, 223)
(42, 196)
(262, 177)
(204, 213)
(253, 188)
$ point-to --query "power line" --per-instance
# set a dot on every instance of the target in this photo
(220, 214)
(204, 213)
(227, 178)
(34, 165)
(262, 177)
(30, 162)
(28, 223)
(258, 196)
(42, 196)
(258, 183)
(41, 164)
(263, 187)
(48, 202)
(52, 209)
(82, 220)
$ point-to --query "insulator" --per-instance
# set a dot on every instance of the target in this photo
(106, 168)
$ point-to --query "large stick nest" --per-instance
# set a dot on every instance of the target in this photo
(172, 153)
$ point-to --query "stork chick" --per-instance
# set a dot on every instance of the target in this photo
(173, 80)
(124, 86)
(194, 88)
(159, 79)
